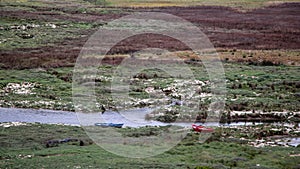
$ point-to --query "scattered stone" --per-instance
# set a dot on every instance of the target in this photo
(25, 35)
(53, 26)
(20, 88)
(6, 125)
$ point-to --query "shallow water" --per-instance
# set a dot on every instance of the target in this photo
(294, 142)
(131, 118)
(40, 116)
(291, 142)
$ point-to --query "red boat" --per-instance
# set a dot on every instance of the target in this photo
(202, 129)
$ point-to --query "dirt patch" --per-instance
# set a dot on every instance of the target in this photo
(61, 54)
(275, 27)
(54, 16)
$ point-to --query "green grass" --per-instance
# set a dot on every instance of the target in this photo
(272, 88)
(62, 7)
(28, 151)
(43, 3)
(17, 33)
(275, 87)
(50, 90)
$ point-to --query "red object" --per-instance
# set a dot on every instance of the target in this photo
(202, 129)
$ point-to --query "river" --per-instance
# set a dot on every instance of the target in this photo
(132, 118)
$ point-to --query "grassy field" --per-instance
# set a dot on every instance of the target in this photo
(29, 151)
(37, 28)
(240, 4)
(250, 87)
(32, 34)
(39, 43)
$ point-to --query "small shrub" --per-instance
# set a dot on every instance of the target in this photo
(202, 167)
